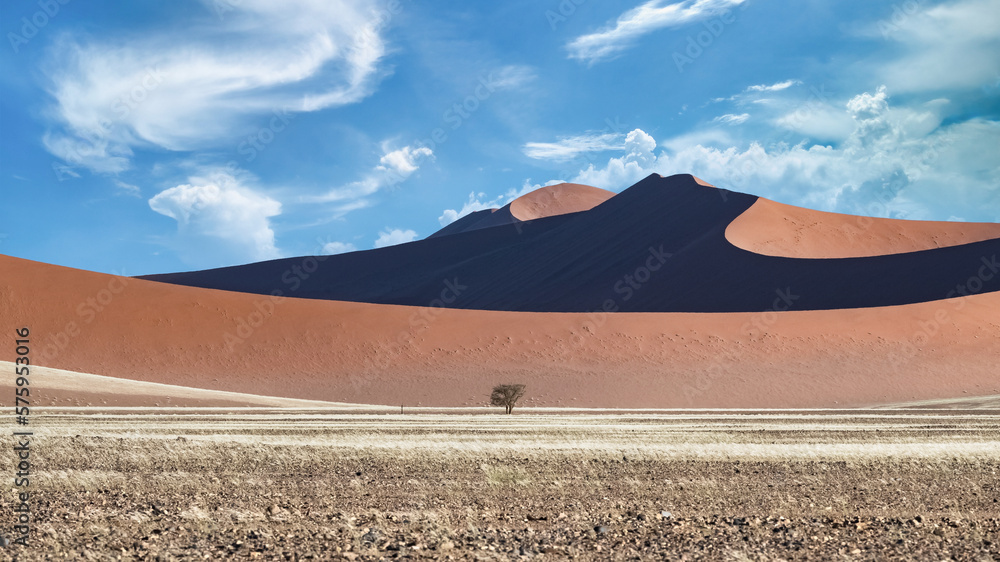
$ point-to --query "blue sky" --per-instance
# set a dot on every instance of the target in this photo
(145, 137)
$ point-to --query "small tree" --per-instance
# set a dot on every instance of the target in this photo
(506, 395)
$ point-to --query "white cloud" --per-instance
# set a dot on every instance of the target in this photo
(818, 121)
(776, 87)
(400, 164)
(642, 20)
(128, 189)
(476, 202)
(569, 148)
(331, 248)
(895, 162)
(948, 46)
(513, 76)
(751, 93)
(868, 106)
(220, 211)
(732, 119)
(189, 86)
(394, 167)
(394, 236)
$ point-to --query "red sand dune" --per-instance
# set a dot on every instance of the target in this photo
(549, 201)
(557, 200)
(384, 354)
(776, 229)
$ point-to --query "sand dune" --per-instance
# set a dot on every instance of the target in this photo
(382, 354)
(558, 200)
(550, 201)
(775, 229)
(70, 389)
(659, 246)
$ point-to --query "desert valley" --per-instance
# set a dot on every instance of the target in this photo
(709, 375)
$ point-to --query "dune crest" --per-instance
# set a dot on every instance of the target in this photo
(559, 199)
(774, 229)
(544, 202)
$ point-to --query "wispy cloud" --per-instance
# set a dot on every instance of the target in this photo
(394, 167)
(514, 76)
(776, 87)
(571, 147)
(951, 45)
(651, 16)
(731, 119)
(188, 86)
(754, 91)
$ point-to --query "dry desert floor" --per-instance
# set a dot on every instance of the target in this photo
(299, 484)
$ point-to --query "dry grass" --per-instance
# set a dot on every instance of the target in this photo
(271, 485)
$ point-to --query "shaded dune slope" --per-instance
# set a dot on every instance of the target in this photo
(659, 246)
(382, 354)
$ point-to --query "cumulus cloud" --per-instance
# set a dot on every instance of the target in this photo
(218, 214)
(650, 16)
(188, 86)
(331, 248)
(732, 119)
(400, 164)
(571, 147)
(391, 237)
(895, 162)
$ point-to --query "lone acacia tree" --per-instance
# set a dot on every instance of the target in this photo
(506, 395)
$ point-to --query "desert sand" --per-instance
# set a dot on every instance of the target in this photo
(384, 354)
(776, 229)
